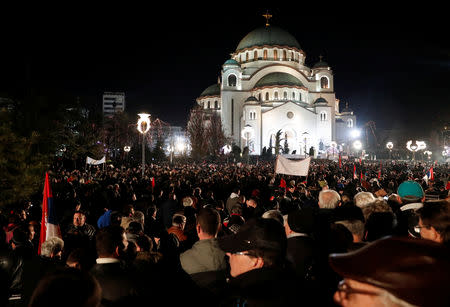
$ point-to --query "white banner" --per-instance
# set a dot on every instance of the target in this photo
(290, 167)
(95, 162)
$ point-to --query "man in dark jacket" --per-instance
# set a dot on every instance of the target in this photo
(110, 271)
(259, 277)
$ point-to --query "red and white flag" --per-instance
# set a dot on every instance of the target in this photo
(49, 223)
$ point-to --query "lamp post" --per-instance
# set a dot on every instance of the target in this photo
(428, 153)
(305, 136)
(389, 145)
(247, 134)
(419, 145)
(357, 145)
(143, 126)
(333, 147)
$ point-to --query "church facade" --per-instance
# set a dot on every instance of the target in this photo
(266, 87)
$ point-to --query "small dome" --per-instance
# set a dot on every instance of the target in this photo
(321, 101)
(347, 109)
(231, 62)
(213, 90)
(321, 64)
(268, 36)
(278, 78)
(252, 99)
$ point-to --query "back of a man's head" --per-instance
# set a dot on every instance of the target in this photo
(108, 239)
(362, 199)
(52, 247)
(329, 199)
(209, 221)
(68, 287)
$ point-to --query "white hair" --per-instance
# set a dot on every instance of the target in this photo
(362, 199)
(52, 246)
(329, 199)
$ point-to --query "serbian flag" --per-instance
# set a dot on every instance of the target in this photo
(49, 223)
(430, 174)
(355, 175)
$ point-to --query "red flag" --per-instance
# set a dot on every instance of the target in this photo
(49, 223)
(355, 176)
(153, 182)
(340, 161)
(282, 183)
(361, 176)
(379, 172)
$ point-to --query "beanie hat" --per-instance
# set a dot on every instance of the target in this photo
(410, 190)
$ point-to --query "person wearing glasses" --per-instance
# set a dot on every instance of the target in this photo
(394, 271)
(258, 275)
(434, 221)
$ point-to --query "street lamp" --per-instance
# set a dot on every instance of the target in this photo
(389, 145)
(357, 145)
(305, 136)
(143, 126)
(333, 145)
(419, 145)
(428, 153)
(247, 134)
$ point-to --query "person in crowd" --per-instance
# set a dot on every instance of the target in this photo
(79, 227)
(258, 273)
(110, 270)
(205, 262)
(393, 271)
(363, 198)
(68, 287)
(299, 226)
(274, 214)
(251, 209)
(329, 199)
(434, 221)
(233, 199)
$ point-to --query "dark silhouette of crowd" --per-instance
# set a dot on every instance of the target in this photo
(227, 234)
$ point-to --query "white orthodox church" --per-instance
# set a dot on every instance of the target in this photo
(265, 87)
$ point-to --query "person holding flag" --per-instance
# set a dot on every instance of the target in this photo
(49, 222)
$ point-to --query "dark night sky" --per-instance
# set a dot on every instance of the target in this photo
(391, 65)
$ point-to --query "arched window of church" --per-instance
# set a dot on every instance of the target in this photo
(209, 104)
(299, 96)
(265, 55)
(324, 82)
(293, 95)
(246, 56)
(231, 80)
(255, 55)
(267, 96)
(323, 116)
(349, 123)
(284, 55)
(259, 96)
(216, 105)
(275, 96)
(275, 54)
(252, 115)
(285, 95)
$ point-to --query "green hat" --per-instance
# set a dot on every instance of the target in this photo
(410, 190)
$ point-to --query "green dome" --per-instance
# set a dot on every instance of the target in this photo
(278, 78)
(231, 62)
(321, 64)
(268, 36)
(251, 99)
(213, 90)
(320, 101)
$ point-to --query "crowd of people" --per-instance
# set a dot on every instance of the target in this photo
(351, 233)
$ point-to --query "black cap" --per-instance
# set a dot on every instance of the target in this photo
(257, 233)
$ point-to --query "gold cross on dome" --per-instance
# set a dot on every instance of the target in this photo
(267, 16)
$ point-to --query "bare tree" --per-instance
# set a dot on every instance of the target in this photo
(196, 131)
(214, 134)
